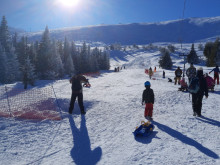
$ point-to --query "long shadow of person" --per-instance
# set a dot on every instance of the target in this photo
(209, 121)
(186, 140)
(81, 151)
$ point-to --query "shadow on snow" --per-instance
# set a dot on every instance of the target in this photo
(81, 151)
(186, 140)
(209, 121)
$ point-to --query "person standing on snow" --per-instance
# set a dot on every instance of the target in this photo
(197, 97)
(178, 74)
(76, 82)
(216, 74)
(191, 72)
(148, 99)
(150, 72)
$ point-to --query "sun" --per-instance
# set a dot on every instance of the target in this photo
(69, 3)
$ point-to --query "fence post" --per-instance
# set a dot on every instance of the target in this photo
(57, 102)
(9, 108)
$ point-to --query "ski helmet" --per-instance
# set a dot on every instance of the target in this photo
(147, 83)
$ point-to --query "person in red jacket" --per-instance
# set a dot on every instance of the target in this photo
(216, 74)
(148, 99)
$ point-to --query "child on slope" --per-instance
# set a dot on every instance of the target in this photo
(148, 99)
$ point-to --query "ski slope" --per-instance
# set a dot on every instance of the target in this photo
(113, 104)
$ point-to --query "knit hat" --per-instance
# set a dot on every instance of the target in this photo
(200, 68)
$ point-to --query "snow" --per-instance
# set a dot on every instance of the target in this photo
(113, 104)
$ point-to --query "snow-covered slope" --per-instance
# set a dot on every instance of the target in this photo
(187, 30)
(113, 104)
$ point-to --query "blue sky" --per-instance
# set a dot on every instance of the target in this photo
(34, 15)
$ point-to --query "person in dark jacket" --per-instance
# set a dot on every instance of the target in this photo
(178, 74)
(216, 74)
(148, 99)
(197, 97)
(191, 72)
(76, 82)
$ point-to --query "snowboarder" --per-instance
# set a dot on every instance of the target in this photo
(216, 74)
(155, 69)
(76, 82)
(148, 99)
(150, 72)
(178, 74)
(191, 72)
(197, 97)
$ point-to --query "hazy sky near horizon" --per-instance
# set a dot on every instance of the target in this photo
(35, 15)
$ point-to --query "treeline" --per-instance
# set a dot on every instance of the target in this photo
(47, 59)
(212, 53)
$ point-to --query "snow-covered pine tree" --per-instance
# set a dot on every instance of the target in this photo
(28, 73)
(56, 62)
(68, 61)
(12, 73)
(44, 54)
(192, 56)
(165, 60)
(21, 50)
(32, 52)
(3, 66)
(84, 59)
(208, 53)
(94, 60)
(4, 35)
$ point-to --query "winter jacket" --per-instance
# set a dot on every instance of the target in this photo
(178, 73)
(216, 70)
(191, 72)
(203, 88)
(76, 82)
(148, 95)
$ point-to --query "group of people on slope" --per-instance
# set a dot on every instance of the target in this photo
(148, 93)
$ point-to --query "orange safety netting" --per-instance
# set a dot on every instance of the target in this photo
(36, 103)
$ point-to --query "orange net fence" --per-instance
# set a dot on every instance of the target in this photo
(39, 103)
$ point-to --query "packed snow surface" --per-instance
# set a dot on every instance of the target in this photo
(113, 105)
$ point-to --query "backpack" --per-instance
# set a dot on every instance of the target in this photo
(194, 85)
(76, 85)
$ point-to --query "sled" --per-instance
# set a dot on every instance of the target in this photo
(145, 129)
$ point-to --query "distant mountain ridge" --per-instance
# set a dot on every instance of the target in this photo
(187, 30)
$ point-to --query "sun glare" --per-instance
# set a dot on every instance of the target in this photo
(69, 3)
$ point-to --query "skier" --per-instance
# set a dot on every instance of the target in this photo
(150, 72)
(155, 69)
(197, 97)
(191, 72)
(148, 99)
(216, 74)
(76, 82)
(178, 74)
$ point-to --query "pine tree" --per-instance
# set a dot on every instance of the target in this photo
(3, 66)
(192, 56)
(4, 35)
(12, 73)
(68, 61)
(56, 62)
(28, 72)
(210, 59)
(44, 54)
(165, 60)
(21, 50)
